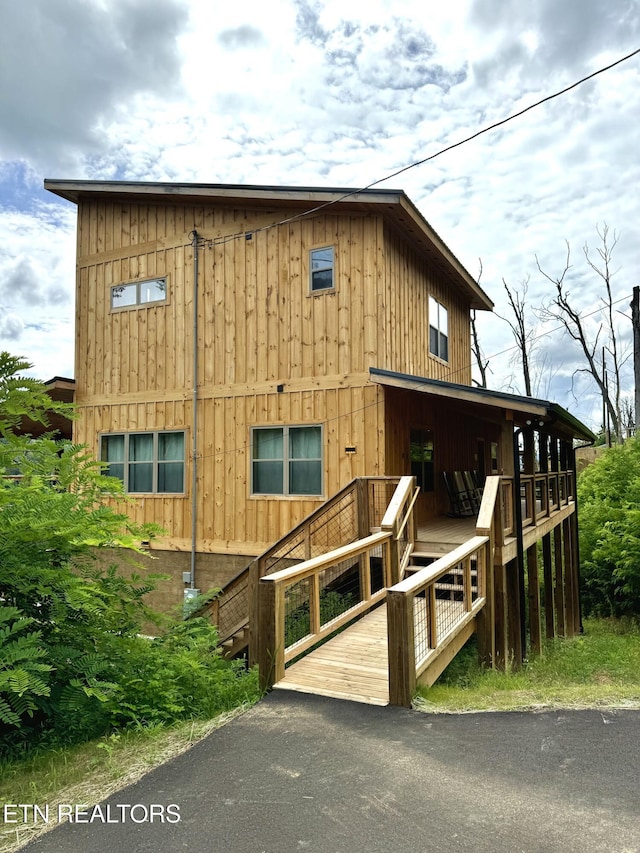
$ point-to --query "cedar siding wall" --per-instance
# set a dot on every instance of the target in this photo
(258, 322)
(410, 282)
(258, 328)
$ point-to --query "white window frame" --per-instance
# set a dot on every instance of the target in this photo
(287, 459)
(439, 322)
(155, 461)
(139, 303)
(321, 269)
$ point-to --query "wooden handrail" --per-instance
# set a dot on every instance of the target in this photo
(439, 567)
(325, 561)
(402, 493)
(271, 610)
(490, 496)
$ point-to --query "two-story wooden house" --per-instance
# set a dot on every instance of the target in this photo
(244, 352)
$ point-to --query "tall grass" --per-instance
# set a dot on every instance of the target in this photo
(599, 668)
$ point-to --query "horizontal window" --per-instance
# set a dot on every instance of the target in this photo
(145, 461)
(321, 269)
(438, 330)
(139, 293)
(286, 460)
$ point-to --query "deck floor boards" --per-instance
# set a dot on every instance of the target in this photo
(355, 664)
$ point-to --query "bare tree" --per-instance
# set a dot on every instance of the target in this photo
(481, 361)
(523, 332)
(561, 309)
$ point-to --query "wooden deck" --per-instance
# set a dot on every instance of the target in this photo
(445, 533)
(354, 665)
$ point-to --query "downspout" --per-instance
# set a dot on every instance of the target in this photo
(194, 425)
(519, 540)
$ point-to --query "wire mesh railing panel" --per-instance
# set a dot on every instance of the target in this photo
(297, 616)
(448, 614)
(337, 527)
(340, 590)
(233, 608)
(380, 494)
(376, 569)
(421, 625)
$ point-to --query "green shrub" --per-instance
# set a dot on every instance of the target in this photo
(609, 501)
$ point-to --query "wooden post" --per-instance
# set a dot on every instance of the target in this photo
(534, 599)
(575, 565)
(559, 585)
(466, 585)
(401, 645)
(485, 618)
(270, 633)
(548, 587)
(314, 604)
(514, 634)
(252, 602)
(568, 580)
(362, 507)
(394, 562)
(500, 610)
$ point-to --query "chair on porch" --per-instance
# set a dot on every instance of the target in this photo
(460, 500)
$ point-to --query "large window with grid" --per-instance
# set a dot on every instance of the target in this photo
(149, 462)
(438, 330)
(286, 460)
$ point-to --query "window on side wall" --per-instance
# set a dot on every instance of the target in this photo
(438, 330)
(138, 293)
(321, 270)
(286, 460)
(146, 462)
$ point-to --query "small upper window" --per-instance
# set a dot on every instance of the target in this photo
(321, 268)
(138, 293)
(438, 330)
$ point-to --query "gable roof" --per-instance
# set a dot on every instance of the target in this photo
(397, 209)
(525, 409)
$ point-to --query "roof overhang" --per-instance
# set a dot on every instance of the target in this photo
(526, 410)
(393, 205)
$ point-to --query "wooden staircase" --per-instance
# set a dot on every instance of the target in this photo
(354, 512)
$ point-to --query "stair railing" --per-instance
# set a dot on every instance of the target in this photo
(294, 594)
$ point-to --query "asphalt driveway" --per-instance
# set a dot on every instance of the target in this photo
(301, 772)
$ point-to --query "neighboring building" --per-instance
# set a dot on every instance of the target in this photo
(61, 390)
(243, 352)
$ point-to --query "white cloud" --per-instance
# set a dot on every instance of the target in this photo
(333, 93)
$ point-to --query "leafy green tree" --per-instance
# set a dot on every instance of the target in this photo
(73, 661)
(609, 500)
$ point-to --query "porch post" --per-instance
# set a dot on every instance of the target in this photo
(559, 585)
(568, 579)
(534, 599)
(548, 587)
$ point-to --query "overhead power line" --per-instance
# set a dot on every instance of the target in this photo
(318, 208)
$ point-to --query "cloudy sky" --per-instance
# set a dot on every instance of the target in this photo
(332, 93)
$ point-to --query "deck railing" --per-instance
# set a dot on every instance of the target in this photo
(426, 612)
(399, 520)
(301, 605)
(347, 516)
(541, 495)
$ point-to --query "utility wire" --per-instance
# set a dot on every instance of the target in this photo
(314, 210)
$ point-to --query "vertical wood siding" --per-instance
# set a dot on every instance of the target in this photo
(258, 327)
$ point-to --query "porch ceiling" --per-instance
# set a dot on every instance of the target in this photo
(525, 410)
